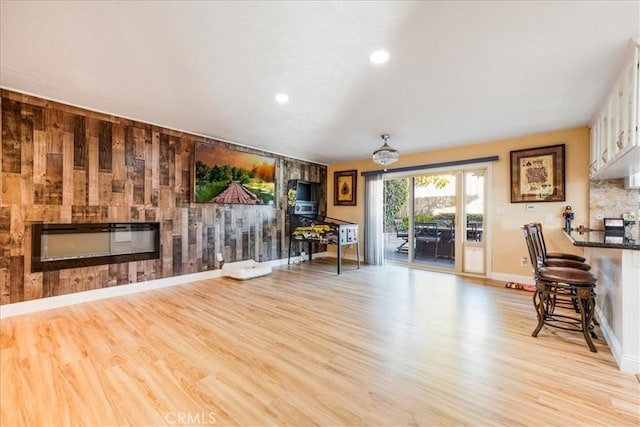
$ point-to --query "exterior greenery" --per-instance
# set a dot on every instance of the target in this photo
(211, 181)
(396, 192)
(445, 217)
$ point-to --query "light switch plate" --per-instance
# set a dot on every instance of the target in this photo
(531, 207)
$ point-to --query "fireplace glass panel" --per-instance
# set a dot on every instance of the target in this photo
(58, 246)
(78, 245)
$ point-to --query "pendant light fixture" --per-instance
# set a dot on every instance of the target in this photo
(385, 155)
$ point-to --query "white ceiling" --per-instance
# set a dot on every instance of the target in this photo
(459, 73)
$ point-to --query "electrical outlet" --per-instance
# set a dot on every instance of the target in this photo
(219, 257)
(523, 261)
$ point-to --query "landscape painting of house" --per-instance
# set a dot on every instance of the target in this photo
(223, 175)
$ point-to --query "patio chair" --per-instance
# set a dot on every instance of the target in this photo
(401, 233)
(428, 238)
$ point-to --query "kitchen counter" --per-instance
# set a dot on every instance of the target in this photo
(616, 263)
(598, 239)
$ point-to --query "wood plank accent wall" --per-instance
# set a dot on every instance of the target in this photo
(62, 164)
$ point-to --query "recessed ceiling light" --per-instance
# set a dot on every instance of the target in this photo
(379, 57)
(282, 98)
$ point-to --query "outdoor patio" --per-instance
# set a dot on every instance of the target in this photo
(427, 257)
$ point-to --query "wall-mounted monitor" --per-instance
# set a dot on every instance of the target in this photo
(303, 197)
(304, 192)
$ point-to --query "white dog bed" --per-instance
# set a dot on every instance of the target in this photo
(243, 270)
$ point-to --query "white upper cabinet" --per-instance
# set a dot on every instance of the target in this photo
(615, 149)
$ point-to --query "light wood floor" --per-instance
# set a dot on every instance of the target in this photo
(382, 346)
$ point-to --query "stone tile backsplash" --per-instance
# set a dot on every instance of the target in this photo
(609, 199)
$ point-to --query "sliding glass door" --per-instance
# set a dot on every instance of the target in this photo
(436, 220)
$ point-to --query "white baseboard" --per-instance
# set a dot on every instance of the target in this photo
(611, 339)
(279, 262)
(25, 307)
(525, 280)
(296, 259)
(352, 257)
(626, 362)
(629, 364)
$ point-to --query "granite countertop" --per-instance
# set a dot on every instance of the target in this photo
(598, 239)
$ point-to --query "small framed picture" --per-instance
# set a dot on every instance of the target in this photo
(345, 187)
(537, 174)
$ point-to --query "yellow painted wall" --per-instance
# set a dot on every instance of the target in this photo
(506, 241)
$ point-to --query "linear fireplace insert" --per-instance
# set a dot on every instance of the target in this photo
(59, 246)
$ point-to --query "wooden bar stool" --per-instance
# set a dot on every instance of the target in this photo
(562, 287)
(561, 260)
(560, 255)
